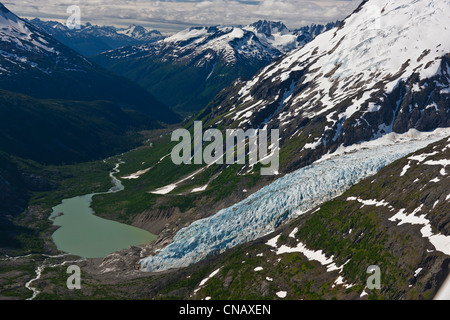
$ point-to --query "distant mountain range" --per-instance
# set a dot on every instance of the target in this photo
(57, 106)
(90, 39)
(210, 57)
(36, 64)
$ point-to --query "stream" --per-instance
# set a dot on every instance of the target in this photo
(83, 234)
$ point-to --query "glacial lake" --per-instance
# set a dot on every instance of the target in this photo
(83, 234)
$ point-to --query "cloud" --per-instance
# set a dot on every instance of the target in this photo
(172, 15)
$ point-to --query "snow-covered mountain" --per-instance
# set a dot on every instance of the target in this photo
(307, 33)
(91, 39)
(211, 57)
(263, 40)
(24, 47)
(384, 69)
(206, 44)
(277, 35)
(140, 33)
(36, 64)
(268, 28)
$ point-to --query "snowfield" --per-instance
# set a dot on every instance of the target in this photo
(288, 197)
(351, 71)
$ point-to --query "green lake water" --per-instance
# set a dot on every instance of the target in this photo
(83, 234)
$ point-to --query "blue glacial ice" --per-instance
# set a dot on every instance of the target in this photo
(286, 198)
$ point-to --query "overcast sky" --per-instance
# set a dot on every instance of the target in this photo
(172, 15)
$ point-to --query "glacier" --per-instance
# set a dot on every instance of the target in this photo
(286, 198)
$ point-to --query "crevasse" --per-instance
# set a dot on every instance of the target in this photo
(288, 197)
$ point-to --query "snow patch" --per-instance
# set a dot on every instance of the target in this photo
(439, 241)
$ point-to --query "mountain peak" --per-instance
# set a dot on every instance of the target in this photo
(140, 33)
(3, 8)
(269, 27)
(20, 33)
(6, 15)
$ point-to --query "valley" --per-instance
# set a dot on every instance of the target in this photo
(88, 177)
(212, 58)
(240, 265)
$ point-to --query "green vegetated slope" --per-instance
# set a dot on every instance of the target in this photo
(226, 184)
(51, 133)
(61, 131)
(187, 88)
(137, 204)
(353, 235)
(93, 84)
